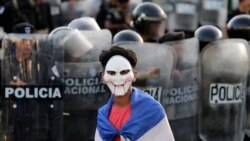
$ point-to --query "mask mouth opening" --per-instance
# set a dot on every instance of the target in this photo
(119, 85)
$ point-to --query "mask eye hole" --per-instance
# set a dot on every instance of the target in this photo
(124, 72)
(111, 72)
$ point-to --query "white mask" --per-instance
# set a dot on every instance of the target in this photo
(118, 75)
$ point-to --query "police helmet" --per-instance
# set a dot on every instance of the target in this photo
(207, 34)
(127, 36)
(144, 14)
(239, 27)
(84, 23)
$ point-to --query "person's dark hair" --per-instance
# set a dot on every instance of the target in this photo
(240, 1)
(115, 50)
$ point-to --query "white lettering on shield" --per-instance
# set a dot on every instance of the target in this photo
(226, 93)
(183, 94)
(78, 86)
(32, 93)
(155, 92)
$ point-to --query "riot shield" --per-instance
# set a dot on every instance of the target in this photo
(224, 70)
(214, 12)
(84, 93)
(248, 101)
(31, 86)
(182, 96)
(2, 34)
(186, 15)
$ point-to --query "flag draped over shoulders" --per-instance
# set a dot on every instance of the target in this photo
(147, 120)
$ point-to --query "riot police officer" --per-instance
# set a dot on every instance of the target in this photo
(30, 117)
(84, 92)
(149, 21)
(222, 90)
(239, 27)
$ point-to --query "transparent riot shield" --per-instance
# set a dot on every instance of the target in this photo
(182, 96)
(224, 70)
(248, 101)
(84, 93)
(55, 11)
(186, 15)
(155, 65)
(214, 12)
(32, 89)
(2, 34)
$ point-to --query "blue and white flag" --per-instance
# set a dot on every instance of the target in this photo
(147, 122)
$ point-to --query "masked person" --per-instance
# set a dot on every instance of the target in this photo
(130, 113)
